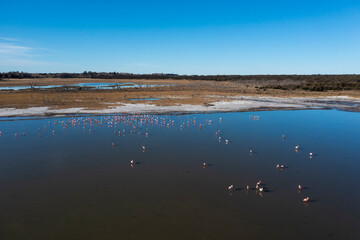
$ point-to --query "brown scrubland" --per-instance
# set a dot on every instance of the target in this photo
(176, 91)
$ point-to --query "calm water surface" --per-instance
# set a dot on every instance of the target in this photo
(88, 85)
(73, 179)
(144, 99)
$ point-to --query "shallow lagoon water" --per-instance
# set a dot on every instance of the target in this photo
(88, 85)
(144, 99)
(78, 183)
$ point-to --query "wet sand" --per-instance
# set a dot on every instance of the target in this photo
(234, 104)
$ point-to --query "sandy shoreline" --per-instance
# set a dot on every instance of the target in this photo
(234, 104)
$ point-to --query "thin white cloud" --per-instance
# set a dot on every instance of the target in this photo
(15, 55)
(8, 39)
(10, 49)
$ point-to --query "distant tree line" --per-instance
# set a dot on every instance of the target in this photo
(119, 75)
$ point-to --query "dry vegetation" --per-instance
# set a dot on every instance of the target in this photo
(178, 92)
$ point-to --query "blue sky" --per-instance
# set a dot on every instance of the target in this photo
(184, 37)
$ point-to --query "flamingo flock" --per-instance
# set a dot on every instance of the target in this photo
(278, 166)
(137, 122)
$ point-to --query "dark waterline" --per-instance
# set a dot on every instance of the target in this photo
(78, 183)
